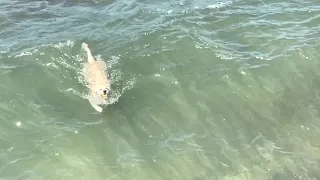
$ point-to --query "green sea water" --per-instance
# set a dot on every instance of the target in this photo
(201, 90)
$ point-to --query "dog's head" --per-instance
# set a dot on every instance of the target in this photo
(105, 92)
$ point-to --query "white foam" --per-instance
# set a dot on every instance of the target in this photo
(52, 64)
(116, 94)
(83, 96)
(26, 53)
(18, 124)
(59, 45)
(219, 5)
(223, 56)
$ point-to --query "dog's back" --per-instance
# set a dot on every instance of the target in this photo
(96, 75)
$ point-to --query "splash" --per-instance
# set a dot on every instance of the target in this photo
(118, 86)
(67, 68)
(70, 67)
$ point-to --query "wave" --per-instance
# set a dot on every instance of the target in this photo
(64, 60)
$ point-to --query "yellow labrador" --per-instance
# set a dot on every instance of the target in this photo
(98, 83)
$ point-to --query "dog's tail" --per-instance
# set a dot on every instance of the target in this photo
(86, 48)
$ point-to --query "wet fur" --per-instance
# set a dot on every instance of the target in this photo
(96, 76)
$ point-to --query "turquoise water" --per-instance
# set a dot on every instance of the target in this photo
(201, 90)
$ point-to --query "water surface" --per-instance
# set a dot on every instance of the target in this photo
(200, 90)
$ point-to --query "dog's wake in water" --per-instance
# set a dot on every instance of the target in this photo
(95, 74)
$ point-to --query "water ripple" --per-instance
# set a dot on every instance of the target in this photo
(202, 89)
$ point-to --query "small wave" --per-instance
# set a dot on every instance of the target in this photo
(60, 45)
(75, 92)
(25, 53)
(51, 64)
(224, 56)
(183, 7)
(219, 5)
(129, 159)
(57, 57)
(33, 51)
(126, 155)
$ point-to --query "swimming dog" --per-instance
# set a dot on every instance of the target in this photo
(95, 74)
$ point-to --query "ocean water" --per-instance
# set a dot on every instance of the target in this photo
(201, 90)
